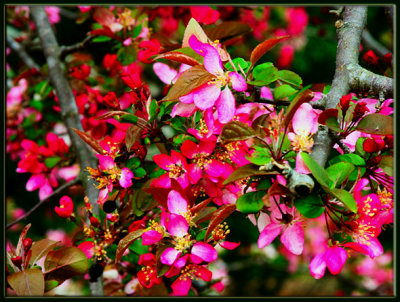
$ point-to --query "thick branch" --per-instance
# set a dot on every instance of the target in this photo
(349, 37)
(363, 80)
(16, 47)
(68, 109)
(59, 190)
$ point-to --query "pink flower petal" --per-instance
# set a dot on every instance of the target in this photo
(126, 178)
(237, 81)
(229, 245)
(205, 251)
(187, 99)
(88, 248)
(105, 162)
(189, 149)
(163, 161)
(169, 256)
(176, 203)
(181, 286)
(266, 93)
(375, 246)
(103, 194)
(195, 173)
(301, 166)
(184, 110)
(45, 191)
(214, 168)
(268, 235)
(165, 73)
(35, 182)
(212, 60)
(203, 273)
(293, 239)
(206, 96)
(151, 237)
(305, 119)
(226, 106)
(335, 258)
(318, 266)
(361, 248)
(177, 225)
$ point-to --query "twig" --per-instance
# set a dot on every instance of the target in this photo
(55, 193)
(69, 112)
(370, 43)
(16, 47)
(65, 50)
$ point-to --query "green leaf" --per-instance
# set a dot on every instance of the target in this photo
(333, 124)
(250, 202)
(52, 161)
(264, 74)
(345, 197)
(317, 171)
(99, 39)
(340, 171)
(130, 118)
(377, 124)
(50, 284)
(132, 163)
(310, 206)
(354, 159)
(359, 146)
(291, 78)
(65, 263)
(136, 31)
(386, 164)
(261, 156)
(283, 91)
(236, 131)
(139, 172)
(153, 110)
(237, 62)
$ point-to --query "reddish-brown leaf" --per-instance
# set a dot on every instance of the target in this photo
(65, 263)
(204, 215)
(177, 57)
(125, 242)
(132, 135)
(302, 97)
(227, 30)
(276, 189)
(103, 16)
(193, 28)
(159, 194)
(200, 206)
(105, 31)
(219, 216)
(188, 81)
(21, 240)
(29, 282)
(89, 140)
(264, 47)
(41, 248)
(332, 112)
(318, 87)
(110, 114)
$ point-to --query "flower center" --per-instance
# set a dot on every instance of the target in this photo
(386, 198)
(175, 170)
(220, 232)
(203, 127)
(201, 159)
(182, 243)
(302, 142)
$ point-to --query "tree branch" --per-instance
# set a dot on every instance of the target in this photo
(370, 43)
(16, 47)
(69, 111)
(59, 190)
(65, 50)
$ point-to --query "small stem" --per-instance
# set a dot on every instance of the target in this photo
(277, 204)
(327, 225)
(55, 192)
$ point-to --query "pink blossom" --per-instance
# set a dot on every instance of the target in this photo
(176, 166)
(204, 14)
(87, 247)
(66, 207)
(292, 232)
(334, 258)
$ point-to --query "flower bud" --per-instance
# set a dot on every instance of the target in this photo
(94, 221)
(27, 243)
(17, 261)
(66, 207)
(110, 99)
(374, 161)
(360, 109)
(371, 58)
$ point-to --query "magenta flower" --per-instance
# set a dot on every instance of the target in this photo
(182, 285)
(176, 166)
(210, 94)
(290, 227)
(66, 207)
(334, 258)
(200, 154)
